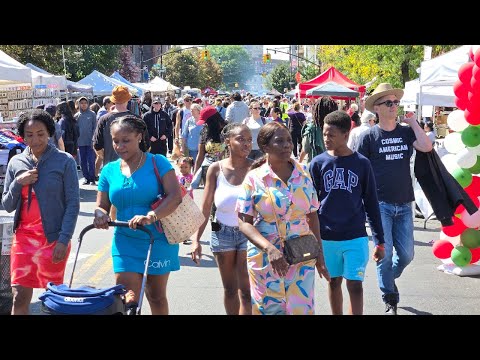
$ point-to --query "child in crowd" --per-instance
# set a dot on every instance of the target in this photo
(185, 165)
(347, 192)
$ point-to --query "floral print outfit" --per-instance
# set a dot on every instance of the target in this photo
(272, 294)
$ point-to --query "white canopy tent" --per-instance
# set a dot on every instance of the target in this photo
(13, 72)
(103, 84)
(42, 77)
(438, 75)
(157, 85)
(431, 95)
(71, 86)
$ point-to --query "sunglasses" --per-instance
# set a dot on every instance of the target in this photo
(187, 100)
(257, 108)
(390, 103)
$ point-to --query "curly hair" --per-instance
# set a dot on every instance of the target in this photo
(35, 115)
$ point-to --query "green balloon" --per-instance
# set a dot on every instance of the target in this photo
(475, 169)
(461, 256)
(463, 177)
(471, 136)
(470, 238)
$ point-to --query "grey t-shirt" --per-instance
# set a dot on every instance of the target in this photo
(389, 153)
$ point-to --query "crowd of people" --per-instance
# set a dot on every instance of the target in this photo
(272, 170)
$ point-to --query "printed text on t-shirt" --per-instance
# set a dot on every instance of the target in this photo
(393, 148)
(336, 180)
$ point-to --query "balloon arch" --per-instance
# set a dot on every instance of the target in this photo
(460, 243)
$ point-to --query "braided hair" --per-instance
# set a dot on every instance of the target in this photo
(322, 108)
(136, 124)
(230, 128)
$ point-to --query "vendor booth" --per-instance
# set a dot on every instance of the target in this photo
(116, 75)
(330, 75)
(64, 85)
(103, 84)
(334, 90)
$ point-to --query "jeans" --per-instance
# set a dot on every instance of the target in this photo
(87, 158)
(397, 223)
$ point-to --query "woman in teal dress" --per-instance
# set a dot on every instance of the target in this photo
(129, 184)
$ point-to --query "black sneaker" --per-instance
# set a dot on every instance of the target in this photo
(92, 183)
(86, 182)
(390, 309)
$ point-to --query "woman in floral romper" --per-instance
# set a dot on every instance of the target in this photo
(278, 288)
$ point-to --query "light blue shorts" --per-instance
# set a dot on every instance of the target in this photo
(229, 238)
(346, 258)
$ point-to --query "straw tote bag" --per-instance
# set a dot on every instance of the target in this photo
(184, 221)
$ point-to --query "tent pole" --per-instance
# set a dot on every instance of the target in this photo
(65, 71)
(419, 116)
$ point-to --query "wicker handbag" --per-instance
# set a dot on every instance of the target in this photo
(184, 221)
(297, 249)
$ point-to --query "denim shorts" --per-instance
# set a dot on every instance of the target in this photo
(229, 238)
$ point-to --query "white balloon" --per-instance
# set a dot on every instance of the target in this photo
(453, 240)
(450, 162)
(475, 149)
(453, 143)
(471, 221)
(466, 158)
(456, 120)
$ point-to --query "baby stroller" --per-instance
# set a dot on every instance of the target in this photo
(86, 300)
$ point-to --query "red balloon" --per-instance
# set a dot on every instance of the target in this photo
(472, 116)
(462, 103)
(476, 57)
(460, 207)
(460, 89)
(474, 97)
(456, 229)
(442, 249)
(475, 85)
(473, 190)
(465, 72)
(475, 255)
(471, 56)
(476, 72)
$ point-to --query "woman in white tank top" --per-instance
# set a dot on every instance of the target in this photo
(229, 246)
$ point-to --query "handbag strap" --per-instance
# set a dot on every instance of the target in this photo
(282, 239)
(157, 174)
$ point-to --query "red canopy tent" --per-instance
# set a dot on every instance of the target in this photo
(334, 75)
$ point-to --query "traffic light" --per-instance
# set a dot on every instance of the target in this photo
(268, 58)
(205, 54)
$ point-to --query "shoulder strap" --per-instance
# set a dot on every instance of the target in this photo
(157, 174)
(269, 193)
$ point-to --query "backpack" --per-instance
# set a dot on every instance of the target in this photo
(313, 135)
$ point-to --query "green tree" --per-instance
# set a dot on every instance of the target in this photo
(308, 72)
(395, 64)
(181, 68)
(280, 78)
(209, 74)
(235, 62)
(80, 60)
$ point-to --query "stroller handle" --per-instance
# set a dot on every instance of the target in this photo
(115, 223)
